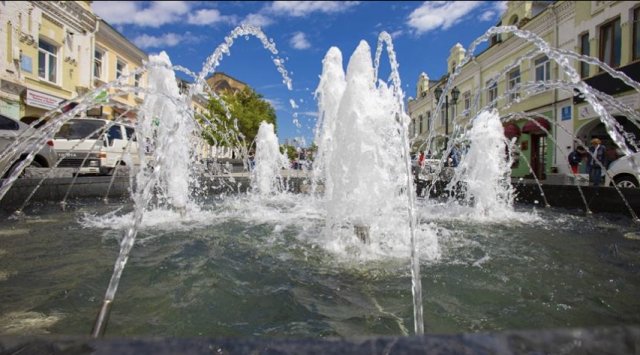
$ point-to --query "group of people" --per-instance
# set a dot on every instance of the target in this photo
(596, 160)
(453, 159)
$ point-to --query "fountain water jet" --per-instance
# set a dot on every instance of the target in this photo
(485, 170)
(266, 177)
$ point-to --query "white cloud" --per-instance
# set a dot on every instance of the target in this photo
(496, 10)
(304, 8)
(439, 14)
(275, 103)
(125, 12)
(209, 17)
(299, 41)
(487, 15)
(396, 34)
(257, 20)
(166, 40)
(309, 114)
(500, 7)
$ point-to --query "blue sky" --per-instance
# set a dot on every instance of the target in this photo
(189, 31)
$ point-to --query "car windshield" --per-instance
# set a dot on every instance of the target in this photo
(80, 129)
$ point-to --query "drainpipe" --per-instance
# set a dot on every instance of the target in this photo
(555, 91)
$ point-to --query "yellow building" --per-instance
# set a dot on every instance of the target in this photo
(115, 56)
(609, 31)
(503, 74)
(220, 82)
(46, 54)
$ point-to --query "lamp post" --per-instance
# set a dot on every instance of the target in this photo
(455, 93)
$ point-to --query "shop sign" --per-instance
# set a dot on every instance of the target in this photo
(566, 113)
(42, 100)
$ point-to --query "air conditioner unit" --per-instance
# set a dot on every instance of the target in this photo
(17, 53)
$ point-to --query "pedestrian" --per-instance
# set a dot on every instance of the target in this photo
(575, 158)
(596, 161)
(252, 160)
(454, 156)
(421, 160)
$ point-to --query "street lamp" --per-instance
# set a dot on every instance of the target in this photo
(455, 93)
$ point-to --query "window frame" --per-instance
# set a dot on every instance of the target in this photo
(602, 48)
(120, 72)
(513, 82)
(47, 61)
(466, 97)
(546, 68)
(583, 39)
(102, 61)
(635, 35)
(492, 93)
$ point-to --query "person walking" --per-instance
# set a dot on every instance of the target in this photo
(421, 160)
(575, 158)
(596, 161)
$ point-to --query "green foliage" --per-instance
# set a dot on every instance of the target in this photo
(247, 108)
(290, 150)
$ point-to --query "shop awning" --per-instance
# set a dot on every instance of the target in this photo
(536, 126)
(511, 130)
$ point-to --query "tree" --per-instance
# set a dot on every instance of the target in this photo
(246, 108)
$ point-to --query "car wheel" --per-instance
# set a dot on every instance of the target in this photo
(626, 182)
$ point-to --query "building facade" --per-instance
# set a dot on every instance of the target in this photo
(115, 56)
(46, 54)
(55, 51)
(508, 73)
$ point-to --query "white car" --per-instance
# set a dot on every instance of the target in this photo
(10, 132)
(102, 149)
(622, 172)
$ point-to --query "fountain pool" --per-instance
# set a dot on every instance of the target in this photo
(231, 270)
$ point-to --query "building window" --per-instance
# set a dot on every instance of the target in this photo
(136, 80)
(492, 88)
(467, 100)
(584, 50)
(636, 33)
(428, 120)
(542, 68)
(47, 61)
(514, 84)
(610, 43)
(120, 68)
(497, 38)
(442, 113)
(420, 119)
(98, 64)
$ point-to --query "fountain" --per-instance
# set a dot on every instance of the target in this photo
(348, 259)
(266, 177)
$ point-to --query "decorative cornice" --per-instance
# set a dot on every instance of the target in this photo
(68, 13)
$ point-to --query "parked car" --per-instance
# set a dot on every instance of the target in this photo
(10, 131)
(622, 172)
(84, 139)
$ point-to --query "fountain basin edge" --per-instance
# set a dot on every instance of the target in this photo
(600, 199)
(598, 340)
